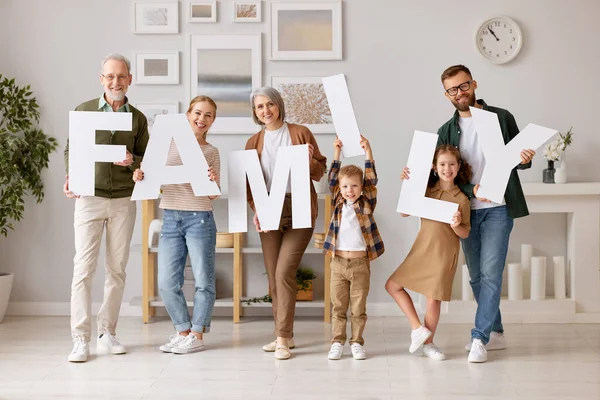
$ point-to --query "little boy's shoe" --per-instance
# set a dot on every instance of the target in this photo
(418, 337)
(358, 351)
(336, 351)
(271, 347)
(497, 342)
(430, 350)
(108, 343)
(174, 341)
(190, 344)
(81, 350)
(478, 353)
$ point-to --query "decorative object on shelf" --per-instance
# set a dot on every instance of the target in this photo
(224, 239)
(304, 281)
(203, 11)
(154, 232)
(151, 110)
(467, 292)
(319, 239)
(555, 151)
(526, 253)
(24, 154)
(305, 102)
(156, 17)
(306, 31)
(515, 281)
(247, 11)
(156, 68)
(265, 299)
(227, 68)
(499, 39)
(559, 277)
(538, 278)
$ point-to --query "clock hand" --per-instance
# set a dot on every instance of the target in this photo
(492, 32)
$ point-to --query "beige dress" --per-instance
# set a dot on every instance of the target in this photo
(430, 265)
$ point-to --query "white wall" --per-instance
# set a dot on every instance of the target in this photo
(394, 53)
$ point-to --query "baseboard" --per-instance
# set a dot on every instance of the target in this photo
(62, 309)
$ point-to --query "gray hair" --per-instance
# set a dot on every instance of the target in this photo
(274, 96)
(116, 57)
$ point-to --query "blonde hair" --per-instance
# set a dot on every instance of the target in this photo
(349, 171)
(200, 99)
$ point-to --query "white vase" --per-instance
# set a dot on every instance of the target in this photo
(560, 176)
(6, 281)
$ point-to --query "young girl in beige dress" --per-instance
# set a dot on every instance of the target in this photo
(430, 265)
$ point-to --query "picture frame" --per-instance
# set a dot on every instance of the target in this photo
(227, 68)
(152, 68)
(202, 11)
(155, 17)
(306, 31)
(151, 110)
(305, 102)
(247, 11)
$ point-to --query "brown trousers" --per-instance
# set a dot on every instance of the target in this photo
(282, 251)
(350, 282)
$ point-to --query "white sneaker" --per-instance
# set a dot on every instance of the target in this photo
(358, 351)
(174, 340)
(81, 350)
(430, 350)
(478, 353)
(108, 343)
(336, 351)
(282, 352)
(190, 344)
(497, 342)
(418, 337)
(271, 347)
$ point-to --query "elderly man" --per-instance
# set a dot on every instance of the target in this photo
(109, 208)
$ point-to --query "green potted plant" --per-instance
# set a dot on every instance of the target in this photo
(24, 153)
(304, 280)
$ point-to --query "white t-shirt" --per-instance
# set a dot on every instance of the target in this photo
(350, 237)
(274, 140)
(471, 152)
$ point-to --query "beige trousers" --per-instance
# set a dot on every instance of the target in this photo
(92, 215)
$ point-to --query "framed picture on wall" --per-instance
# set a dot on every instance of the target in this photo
(305, 102)
(306, 31)
(156, 68)
(151, 110)
(247, 11)
(156, 17)
(227, 68)
(203, 11)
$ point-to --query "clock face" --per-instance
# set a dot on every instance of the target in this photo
(499, 39)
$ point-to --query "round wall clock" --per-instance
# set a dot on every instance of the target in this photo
(499, 39)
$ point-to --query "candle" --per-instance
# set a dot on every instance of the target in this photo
(467, 292)
(559, 277)
(526, 252)
(515, 281)
(538, 278)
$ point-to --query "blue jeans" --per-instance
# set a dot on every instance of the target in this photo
(184, 232)
(485, 251)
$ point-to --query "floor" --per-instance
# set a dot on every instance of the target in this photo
(556, 361)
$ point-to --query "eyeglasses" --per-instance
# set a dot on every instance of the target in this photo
(112, 77)
(453, 91)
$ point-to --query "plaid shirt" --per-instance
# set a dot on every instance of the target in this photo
(364, 208)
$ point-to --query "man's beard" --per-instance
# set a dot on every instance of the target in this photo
(115, 97)
(465, 106)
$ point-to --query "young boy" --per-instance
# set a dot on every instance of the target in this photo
(352, 241)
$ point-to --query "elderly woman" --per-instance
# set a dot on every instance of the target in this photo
(282, 248)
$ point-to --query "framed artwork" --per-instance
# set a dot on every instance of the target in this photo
(247, 11)
(156, 68)
(305, 102)
(306, 31)
(156, 17)
(227, 68)
(151, 110)
(203, 11)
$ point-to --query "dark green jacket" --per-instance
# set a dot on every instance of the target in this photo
(449, 133)
(114, 181)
